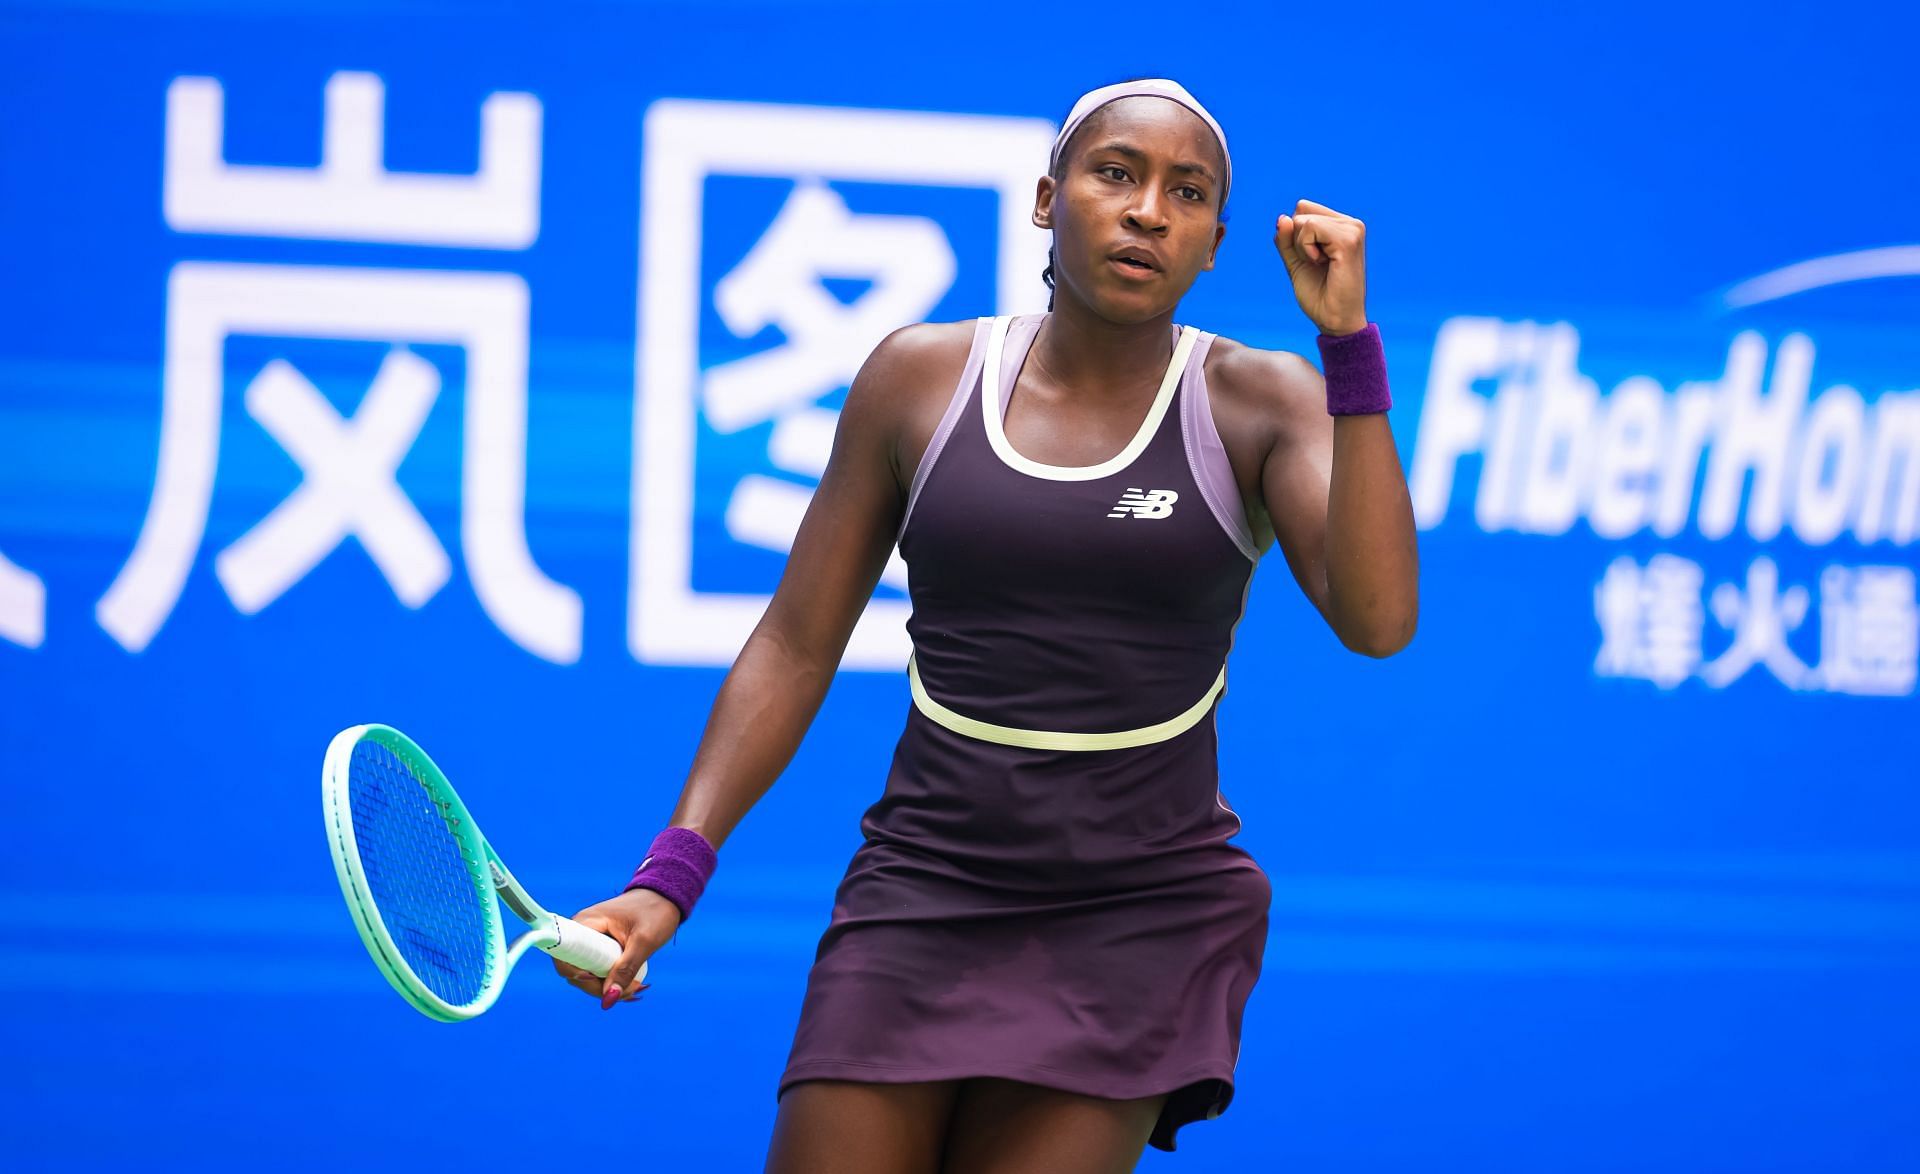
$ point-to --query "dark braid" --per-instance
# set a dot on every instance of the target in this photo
(1046, 275)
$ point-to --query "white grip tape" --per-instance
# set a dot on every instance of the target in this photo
(588, 949)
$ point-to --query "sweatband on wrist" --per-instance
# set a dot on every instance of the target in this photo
(1356, 367)
(677, 867)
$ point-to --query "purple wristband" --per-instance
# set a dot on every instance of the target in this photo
(677, 867)
(1356, 373)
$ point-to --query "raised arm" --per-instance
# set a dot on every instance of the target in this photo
(1338, 504)
(779, 679)
(1332, 484)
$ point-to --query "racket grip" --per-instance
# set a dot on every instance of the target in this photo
(588, 949)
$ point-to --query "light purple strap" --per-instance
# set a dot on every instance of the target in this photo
(956, 403)
(1022, 333)
(677, 867)
(1356, 367)
(1207, 455)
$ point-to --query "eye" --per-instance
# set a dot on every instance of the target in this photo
(1113, 167)
(1197, 193)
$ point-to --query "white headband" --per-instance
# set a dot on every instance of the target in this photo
(1158, 87)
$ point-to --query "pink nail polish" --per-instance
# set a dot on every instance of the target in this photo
(609, 997)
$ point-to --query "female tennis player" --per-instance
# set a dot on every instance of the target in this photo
(1038, 959)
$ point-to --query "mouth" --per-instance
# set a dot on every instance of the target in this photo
(1133, 266)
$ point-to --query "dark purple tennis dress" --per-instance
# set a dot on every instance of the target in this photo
(1046, 892)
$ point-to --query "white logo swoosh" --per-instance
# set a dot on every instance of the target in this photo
(1838, 269)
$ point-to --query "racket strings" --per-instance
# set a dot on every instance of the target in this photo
(422, 884)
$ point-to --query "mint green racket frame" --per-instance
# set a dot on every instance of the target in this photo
(561, 937)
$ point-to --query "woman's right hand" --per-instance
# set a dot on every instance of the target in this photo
(642, 921)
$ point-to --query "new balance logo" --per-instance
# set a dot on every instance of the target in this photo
(1145, 503)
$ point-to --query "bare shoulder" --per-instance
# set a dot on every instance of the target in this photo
(904, 386)
(1262, 400)
(1273, 385)
(913, 356)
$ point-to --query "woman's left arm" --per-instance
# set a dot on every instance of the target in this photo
(1333, 484)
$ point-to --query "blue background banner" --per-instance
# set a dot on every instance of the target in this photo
(464, 367)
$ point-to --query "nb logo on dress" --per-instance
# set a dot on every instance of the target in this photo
(1145, 503)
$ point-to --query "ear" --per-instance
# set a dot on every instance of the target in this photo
(1043, 202)
(1219, 234)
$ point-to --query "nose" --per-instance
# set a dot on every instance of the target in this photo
(1147, 210)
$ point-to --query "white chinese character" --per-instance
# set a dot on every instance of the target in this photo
(347, 465)
(910, 265)
(23, 605)
(1650, 620)
(347, 488)
(351, 196)
(1869, 631)
(1760, 619)
(778, 283)
(815, 235)
(349, 485)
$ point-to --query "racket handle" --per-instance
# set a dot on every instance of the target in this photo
(588, 949)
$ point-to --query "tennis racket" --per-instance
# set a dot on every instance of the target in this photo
(421, 881)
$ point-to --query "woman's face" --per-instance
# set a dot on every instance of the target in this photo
(1142, 177)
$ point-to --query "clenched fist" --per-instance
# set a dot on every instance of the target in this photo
(1326, 256)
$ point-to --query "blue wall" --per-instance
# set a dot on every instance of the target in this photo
(1615, 868)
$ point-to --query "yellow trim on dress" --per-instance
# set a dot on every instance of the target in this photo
(940, 715)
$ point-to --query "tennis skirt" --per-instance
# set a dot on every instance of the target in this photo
(1016, 929)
